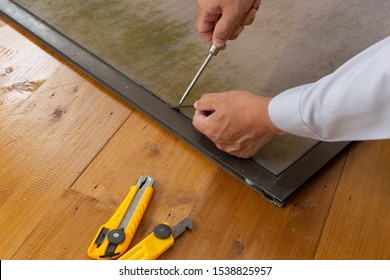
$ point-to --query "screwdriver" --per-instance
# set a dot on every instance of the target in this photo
(212, 52)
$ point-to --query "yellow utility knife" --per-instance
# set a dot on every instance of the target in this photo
(161, 239)
(114, 237)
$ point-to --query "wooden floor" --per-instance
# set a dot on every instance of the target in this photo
(70, 150)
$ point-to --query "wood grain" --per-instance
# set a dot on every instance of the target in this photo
(102, 186)
(24, 68)
(47, 138)
(234, 223)
(358, 226)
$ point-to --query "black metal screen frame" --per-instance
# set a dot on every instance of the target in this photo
(275, 188)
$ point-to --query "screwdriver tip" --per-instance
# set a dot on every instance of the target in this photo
(178, 107)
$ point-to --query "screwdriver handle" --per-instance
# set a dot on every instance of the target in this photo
(213, 49)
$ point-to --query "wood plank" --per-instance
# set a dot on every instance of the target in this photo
(358, 226)
(140, 147)
(66, 232)
(47, 140)
(233, 222)
(24, 68)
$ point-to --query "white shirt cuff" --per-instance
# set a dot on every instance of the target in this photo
(284, 111)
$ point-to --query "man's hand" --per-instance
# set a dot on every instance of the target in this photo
(236, 121)
(221, 20)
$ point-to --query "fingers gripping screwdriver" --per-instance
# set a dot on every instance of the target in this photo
(212, 52)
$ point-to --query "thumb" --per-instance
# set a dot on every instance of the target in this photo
(224, 29)
(200, 120)
(203, 109)
(205, 104)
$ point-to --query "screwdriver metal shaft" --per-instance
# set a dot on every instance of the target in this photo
(212, 52)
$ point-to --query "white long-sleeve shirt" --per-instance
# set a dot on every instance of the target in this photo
(352, 103)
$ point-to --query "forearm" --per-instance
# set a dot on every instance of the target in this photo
(353, 103)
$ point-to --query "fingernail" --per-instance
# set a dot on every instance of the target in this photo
(195, 104)
(219, 43)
